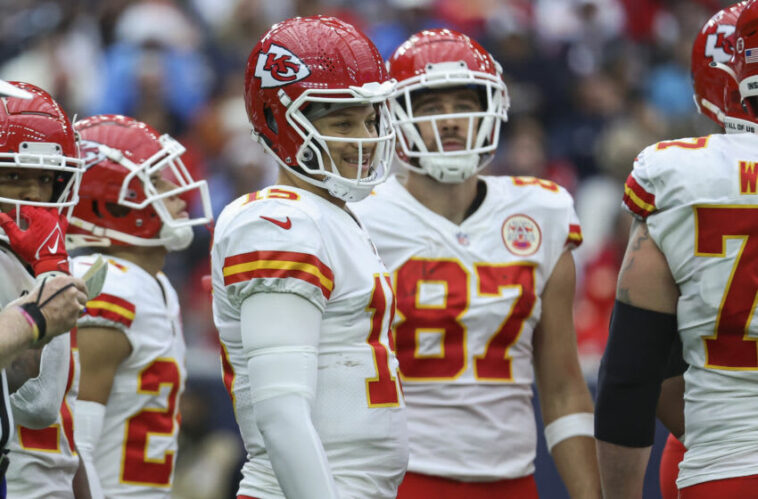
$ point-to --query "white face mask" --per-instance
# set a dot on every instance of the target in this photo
(482, 139)
(176, 238)
(315, 163)
(450, 169)
(176, 233)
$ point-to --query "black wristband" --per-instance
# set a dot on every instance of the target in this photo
(34, 311)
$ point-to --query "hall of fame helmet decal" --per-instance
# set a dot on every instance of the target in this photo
(521, 235)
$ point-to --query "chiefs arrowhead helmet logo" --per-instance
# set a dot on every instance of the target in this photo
(90, 152)
(279, 67)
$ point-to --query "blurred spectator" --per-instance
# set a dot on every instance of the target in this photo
(597, 293)
(62, 56)
(598, 99)
(526, 154)
(207, 459)
(605, 226)
(155, 70)
(669, 87)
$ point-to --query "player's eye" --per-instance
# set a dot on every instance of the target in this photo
(45, 178)
(9, 176)
(466, 106)
(430, 108)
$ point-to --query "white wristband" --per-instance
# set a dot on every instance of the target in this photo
(578, 424)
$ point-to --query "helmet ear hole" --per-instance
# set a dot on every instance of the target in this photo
(309, 156)
(96, 209)
(750, 105)
(270, 120)
(271, 124)
(116, 210)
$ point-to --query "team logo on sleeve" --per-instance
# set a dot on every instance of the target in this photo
(279, 67)
(521, 235)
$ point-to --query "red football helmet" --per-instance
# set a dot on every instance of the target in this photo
(119, 201)
(440, 58)
(9, 90)
(716, 92)
(744, 62)
(35, 133)
(313, 65)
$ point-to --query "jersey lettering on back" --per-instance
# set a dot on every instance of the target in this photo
(704, 219)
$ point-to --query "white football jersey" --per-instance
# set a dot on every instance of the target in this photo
(16, 277)
(42, 463)
(287, 240)
(700, 201)
(468, 299)
(15, 280)
(136, 451)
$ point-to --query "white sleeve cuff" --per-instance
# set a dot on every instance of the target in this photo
(578, 424)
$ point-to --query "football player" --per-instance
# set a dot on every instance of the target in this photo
(40, 171)
(689, 271)
(716, 96)
(130, 341)
(484, 282)
(301, 300)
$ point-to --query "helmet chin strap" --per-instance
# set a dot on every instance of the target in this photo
(171, 238)
(176, 238)
(349, 193)
(450, 169)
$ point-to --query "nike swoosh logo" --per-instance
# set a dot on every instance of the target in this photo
(284, 224)
(57, 235)
(54, 248)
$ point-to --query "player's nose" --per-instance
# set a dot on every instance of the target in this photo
(31, 190)
(450, 122)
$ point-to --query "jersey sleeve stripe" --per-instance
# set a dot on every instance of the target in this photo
(122, 268)
(637, 199)
(280, 274)
(575, 235)
(279, 264)
(289, 256)
(112, 308)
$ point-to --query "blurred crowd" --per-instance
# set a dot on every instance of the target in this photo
(592, 82)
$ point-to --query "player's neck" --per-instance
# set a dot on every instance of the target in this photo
(452, 201)
(150, 258)
(286, 178)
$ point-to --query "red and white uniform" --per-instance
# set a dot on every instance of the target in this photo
(42, 463)
(468, 299)
(698, 197)
(287, 240)
(136, 451)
